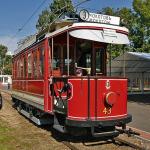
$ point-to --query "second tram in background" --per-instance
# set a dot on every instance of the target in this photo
(60, 77)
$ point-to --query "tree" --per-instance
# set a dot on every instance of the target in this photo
(137, 22)
(142, 8)
(3, 51)
(8, 65)
(5, 60)
(52, 12)
(143, 22)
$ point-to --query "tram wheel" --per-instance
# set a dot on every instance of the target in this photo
(1, 101)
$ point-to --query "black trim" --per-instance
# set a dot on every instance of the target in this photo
(1, 102)
(96, 98)
(98, 123)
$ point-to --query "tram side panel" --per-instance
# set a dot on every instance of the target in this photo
(28, 87)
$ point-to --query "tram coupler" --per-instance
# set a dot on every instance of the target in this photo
(129, 131)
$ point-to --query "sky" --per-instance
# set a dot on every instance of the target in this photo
(15, 13)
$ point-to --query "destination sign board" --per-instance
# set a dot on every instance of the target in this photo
(99, 18)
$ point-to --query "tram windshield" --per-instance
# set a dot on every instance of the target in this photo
(90, 58)
(83, 53)
(78, 57)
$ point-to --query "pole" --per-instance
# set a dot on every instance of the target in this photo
(124, 63)
(52, 55)
(110, 57)
(68, 52)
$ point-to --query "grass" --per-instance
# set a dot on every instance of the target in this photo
(6, 138)
(14, 139)
(9, 139)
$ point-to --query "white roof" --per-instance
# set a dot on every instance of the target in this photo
(104, 36)
(90, 31)
(96, 32)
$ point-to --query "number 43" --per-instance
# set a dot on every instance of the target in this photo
(107, 111)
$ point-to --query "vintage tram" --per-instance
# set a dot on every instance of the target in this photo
(60, 78)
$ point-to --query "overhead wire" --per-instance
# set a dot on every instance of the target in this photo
(76, 5)
(43, 2)
(22, 27)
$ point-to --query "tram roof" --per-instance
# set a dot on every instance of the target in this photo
(95, 32)
(85, 30)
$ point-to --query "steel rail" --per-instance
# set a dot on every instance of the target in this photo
(135, 146)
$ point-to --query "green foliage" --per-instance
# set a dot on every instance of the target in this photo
(137, 22)
(5, 61)
(142, 8)
(53, 11)
(108, 11)
(142, 35)
(8, 65)
(3, 51)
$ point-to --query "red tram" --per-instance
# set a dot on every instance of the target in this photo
(60, 78)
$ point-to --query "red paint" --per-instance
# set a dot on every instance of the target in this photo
(47, 98)
(94, 98)
(78, 104)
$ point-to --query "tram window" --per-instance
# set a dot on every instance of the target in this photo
(15, 69)
(41, 69)
(18, 68)
(35, 72)
(71, 60)
(56, 57)
(99, 60)
(25, 65)
(83, 56)
(21, 68)
(29, 65)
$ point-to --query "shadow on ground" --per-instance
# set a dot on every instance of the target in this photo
(86, 140)
(139, 98)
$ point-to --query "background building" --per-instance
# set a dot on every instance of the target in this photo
(136, 67)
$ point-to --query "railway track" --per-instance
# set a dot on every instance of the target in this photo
(72, 146)
(130, 144)
(117, 141)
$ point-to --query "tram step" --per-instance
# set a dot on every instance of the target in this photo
(38, 121)
(104, 134)
(58, 126)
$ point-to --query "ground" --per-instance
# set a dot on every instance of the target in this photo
(139, 107)
(16, 132)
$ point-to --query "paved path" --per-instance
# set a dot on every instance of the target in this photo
(141, 115)
(141, 118)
